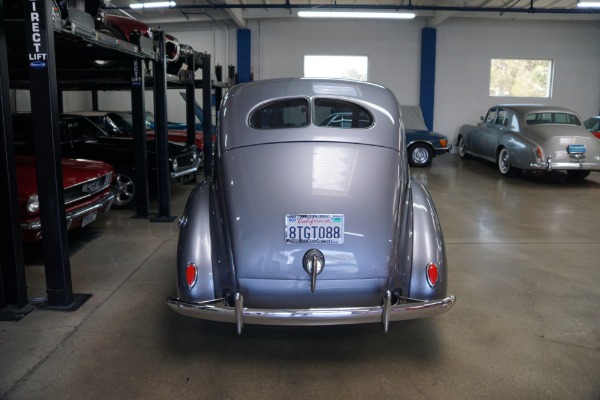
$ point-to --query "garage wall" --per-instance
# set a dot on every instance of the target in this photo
(393, 48)
(464, 50)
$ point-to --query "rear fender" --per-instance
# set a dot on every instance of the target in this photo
(194, 245)
(428, 246)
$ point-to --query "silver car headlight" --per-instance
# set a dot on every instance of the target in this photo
(33, 204)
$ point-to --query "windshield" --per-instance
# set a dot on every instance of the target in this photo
(592, 124)
(123, 121)
(552, 118)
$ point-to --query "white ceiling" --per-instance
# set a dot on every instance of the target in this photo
(435, 11)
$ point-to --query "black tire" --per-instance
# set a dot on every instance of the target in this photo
(503, 163)
(420, 155)
(125, 189)
(461, 148)
(112, 31)
(578, 175)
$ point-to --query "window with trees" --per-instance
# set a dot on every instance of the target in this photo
(520, 78)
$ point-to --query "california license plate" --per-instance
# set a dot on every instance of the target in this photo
(88, 218)
(576, 148)
(314, 228)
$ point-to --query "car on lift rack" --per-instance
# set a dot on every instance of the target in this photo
(81, 138)
(120, 27)
(87, 188)
(302, 223)
(120, 124)
(540, 138)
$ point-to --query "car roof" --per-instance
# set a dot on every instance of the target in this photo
(89, 113)
(532, 108)
(243, 99)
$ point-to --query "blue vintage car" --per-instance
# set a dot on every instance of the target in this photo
(305, 222)
(421, 143)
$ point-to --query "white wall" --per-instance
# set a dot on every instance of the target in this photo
(393, 48)
(464, 50)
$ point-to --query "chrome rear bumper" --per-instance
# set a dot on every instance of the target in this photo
(218, 310)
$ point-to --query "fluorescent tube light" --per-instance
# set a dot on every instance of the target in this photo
(588, 4)
(159, 4)
(356, 14)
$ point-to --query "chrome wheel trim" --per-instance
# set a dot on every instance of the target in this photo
(420, 155)
(503, 161)
(461, 147)
(125, 189)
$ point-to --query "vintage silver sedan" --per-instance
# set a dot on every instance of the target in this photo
(532, 137)
(305, 223)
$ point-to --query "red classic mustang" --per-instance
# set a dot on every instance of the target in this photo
(87, 187)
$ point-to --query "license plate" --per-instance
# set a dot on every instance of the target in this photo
(576, 148)
(88, 218)
(314, 228)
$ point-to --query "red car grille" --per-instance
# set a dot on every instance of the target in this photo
(87, 189)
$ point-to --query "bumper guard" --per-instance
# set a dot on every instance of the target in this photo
(218, 310)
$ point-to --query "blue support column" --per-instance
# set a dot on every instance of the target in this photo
(243, 55)
(427, 96)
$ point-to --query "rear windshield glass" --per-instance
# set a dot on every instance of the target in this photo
(547, 118)
(288, 113)
(341, 114)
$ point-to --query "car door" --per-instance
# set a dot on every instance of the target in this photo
(479, 139)
(495, 131)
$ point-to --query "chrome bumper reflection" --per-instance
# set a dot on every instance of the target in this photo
(218, 310)
(185, 171)
(549, 165)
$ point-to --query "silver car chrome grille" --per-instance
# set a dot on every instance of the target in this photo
(86, 189)
(185, 160)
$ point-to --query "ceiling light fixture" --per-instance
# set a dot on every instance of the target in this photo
(356, 14)
(159, 4)
(588, 3)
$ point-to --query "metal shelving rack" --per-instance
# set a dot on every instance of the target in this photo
(48, 54)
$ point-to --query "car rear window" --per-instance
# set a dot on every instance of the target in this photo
(547, 118)
(287, 113)
(334, 113)
(294, 113)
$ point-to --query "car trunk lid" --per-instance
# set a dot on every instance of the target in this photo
(359, 183)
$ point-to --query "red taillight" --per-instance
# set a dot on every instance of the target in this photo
(191, 274)
(432, 274)
(538, 152)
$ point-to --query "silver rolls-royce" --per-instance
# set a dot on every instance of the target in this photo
(532, 137)
(307, 223)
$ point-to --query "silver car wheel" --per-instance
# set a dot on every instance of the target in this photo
(125, 190)
(504, 161)
(419, 155)
(461, 148)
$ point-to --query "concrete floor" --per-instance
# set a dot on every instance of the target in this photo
(524, 258)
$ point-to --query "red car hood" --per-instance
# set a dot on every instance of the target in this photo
(74, 172)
